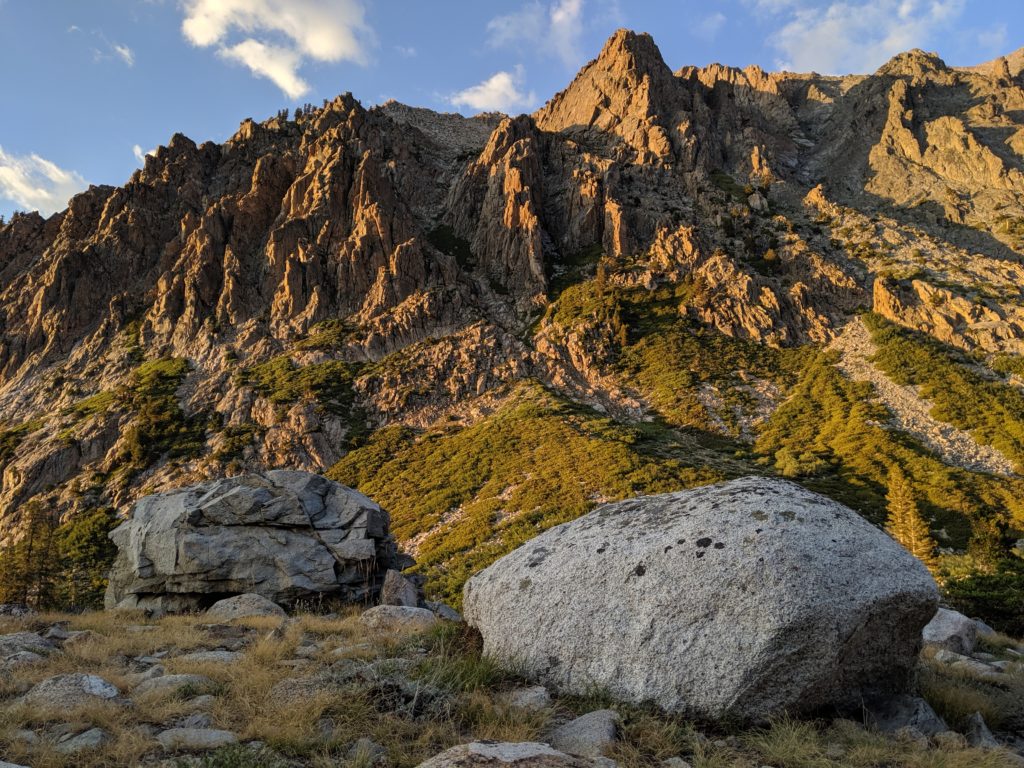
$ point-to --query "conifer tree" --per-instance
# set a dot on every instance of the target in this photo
(905, 523)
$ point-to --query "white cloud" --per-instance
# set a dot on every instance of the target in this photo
(498, 93)
(407, 51)
(278, 35)
(709, 26)
(140, 155)
(555, 28)
(37, 184)
(126, 54)
(845, 37)
(278, 64)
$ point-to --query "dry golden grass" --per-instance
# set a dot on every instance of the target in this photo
(318, 728)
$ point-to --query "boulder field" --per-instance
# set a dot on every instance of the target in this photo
(742, 600)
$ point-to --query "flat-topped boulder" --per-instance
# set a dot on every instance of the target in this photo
(744, 599)
(283, 535)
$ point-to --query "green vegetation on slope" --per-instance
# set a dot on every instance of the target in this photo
(11, 438)
(284, 383)
(828, 435)
(668, 365)
(471, 495)
(991, 410)
(160, 427)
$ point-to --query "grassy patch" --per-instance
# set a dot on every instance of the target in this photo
(97, 404)
(471, 495)
(11, 438)
(329, 334)
(284, 383)
(160, 428)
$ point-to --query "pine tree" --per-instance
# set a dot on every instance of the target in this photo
(905, 523)
(30, 564)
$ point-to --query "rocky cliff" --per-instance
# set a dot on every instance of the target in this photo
(271, 301)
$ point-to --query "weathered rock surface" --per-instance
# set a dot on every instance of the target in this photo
(282, 535)
(952, 631)
(398, 619)
(244, 606)
(492, 753)
(742, 599)
(891, 714)
(588, 735)
(195, 739)
(66, 692)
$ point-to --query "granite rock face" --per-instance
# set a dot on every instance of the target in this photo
(283, 535)
(743, 599)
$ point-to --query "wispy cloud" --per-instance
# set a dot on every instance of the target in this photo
(126, 54)
(250, 32)
(406, 51)
(709, 27)
(844, 37)
(994, 39)
(36, 184)
(554, 28)
(499, 93)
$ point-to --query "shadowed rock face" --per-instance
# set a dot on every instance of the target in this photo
(282, 535)
(745, 599)
(426, 248)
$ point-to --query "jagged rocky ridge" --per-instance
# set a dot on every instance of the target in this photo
(326, 275)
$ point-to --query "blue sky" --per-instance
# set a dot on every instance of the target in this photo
(91, 85)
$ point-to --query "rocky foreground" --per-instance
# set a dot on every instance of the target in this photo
(675, 630)
(396, 686)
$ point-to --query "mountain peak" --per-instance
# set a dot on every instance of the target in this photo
(629, 51)
(914, 62)
(620, 91)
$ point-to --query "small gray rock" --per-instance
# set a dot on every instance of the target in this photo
(445, 612)
(65, 692)
(676, 762)
(952, 631)
(201, 703)
(195, 739)
(398, 590)
(24, 641)
(211, 657)
(200, 720)
(978, 734)
(21, 659)
(589, 735)
(492, 754)
(398, 619)
(891, 714)
(243, 607)
(4, 764)
(94, 738)
(532, 699)
(56, 632)
(172, 684)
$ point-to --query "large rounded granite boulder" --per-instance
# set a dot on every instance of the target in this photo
(284, 535)
(744, 599)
